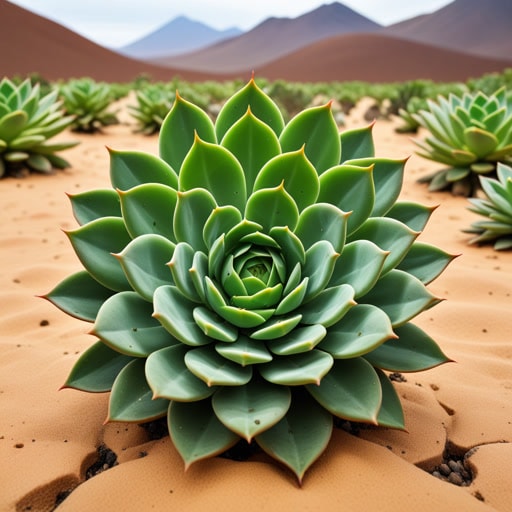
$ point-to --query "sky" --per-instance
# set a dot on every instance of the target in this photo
(115, 23)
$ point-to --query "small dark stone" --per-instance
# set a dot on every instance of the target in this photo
(455, 478)
(444, 469)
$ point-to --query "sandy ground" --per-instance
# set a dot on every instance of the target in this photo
(48, 438)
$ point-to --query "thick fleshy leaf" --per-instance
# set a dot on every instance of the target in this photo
(351, 390)
(215, 169)
(94, 244)
(425, 261)
(387, 178)
(175, 312)
(79, 295)
(96, 369)
(220, 221)
(290, 246)
(276, 327)
(480, 142)
(251, 409)
(301, 339)
(215, 370)
(214, 326)
(179, 130)
(391, 414)
(293, 299)
(329, 306)
(253, 143)
(360, 265)
(361, 330)
(357, 143)
(169, 377)
(261, 106)
(244, 351)
(412, 351)
(144, 261)
(149, 208)
(180, 265)
(316, 128)
(297, 173)
(131, 168)
(298, 369)
(193, 209)
(196, 432)
(409, 297)
(413, 215)
(131, 397)
(12, 124)
(300, 437)
(320, 260)
(272, 207)
(390, 235)
(94, 204)
(124, 322)
(322, 221)
(351, 189)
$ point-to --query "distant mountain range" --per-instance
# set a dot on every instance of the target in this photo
(467, 38)
(180, 35)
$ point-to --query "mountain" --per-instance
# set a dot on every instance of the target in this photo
(378, 58)
(34, 44)
(180, 35)
(272, 39)
(471, 26)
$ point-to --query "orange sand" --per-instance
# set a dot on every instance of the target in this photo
(48, 438)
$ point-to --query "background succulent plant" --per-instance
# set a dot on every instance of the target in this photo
(470, 134)
(253, 282)
(497, 208)
(27, 121)
(88, 101)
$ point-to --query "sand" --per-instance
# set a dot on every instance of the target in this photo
(49, 438)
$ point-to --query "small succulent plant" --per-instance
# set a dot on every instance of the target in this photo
(27, 121)
(253, 282)
(153, 103)
(470, 134)
(497, 208)
(88, 101)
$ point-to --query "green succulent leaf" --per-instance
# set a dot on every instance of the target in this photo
(131, 168)
(94, 204)
(220, 221)
(169, 377)
(124, 322)
(298, 369)
(315, 128)
(180, 265)
(480, 142)
(96, 369)
(362, 329)
(215, 370)
(144, 261)
(410, 296)
(300, 437)
(184, 122)
(413, 350)
(214, 326)
(391, 414)
(414, 215)
(357, 143)
(94, 244)
(351, 390)
(80, 296)
(12, 124)
(290, 245)
(196, 432)
(253, 143)
(318, 268)
(302, 339)
(296, 172)
(244, 351)
(215, 169)
(131, 397)
(251, 409)
(277, 327)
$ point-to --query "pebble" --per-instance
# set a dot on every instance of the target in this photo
(444, 469)
(455, 478)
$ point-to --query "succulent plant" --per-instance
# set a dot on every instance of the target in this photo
(88, 101)
(252, 282)
(27, 121)
(497, 207)
(153, 103)
(470, 134)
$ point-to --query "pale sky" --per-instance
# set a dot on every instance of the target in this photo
(115, 23)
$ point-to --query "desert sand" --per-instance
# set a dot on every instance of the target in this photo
(49, 438)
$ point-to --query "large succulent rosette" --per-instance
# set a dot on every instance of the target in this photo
(253, 282)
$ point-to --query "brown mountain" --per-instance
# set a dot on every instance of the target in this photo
(378, 58)
(33, 44)
(473, 26)
(274, 38)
